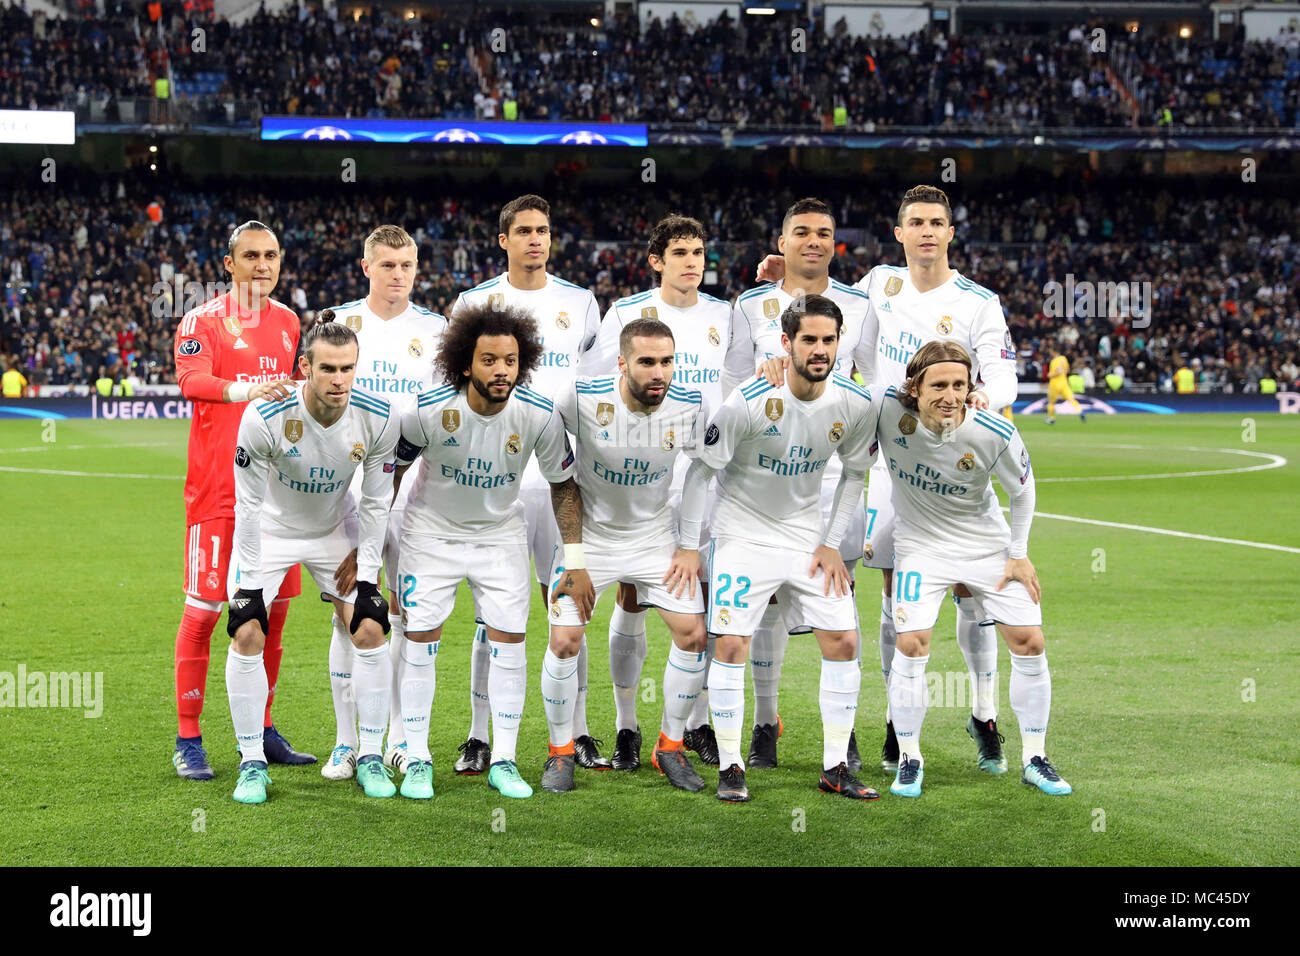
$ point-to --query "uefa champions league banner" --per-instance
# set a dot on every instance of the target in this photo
(451, 132)
(167, 406)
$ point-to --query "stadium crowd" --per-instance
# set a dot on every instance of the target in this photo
(725, 72)
(92, 282)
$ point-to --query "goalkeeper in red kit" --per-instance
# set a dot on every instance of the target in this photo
(237, 347)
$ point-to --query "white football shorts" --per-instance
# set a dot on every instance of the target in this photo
(322, 554)
(921, 580)
(744, 577)
(432, 568)
(878, 534)
(644, 568)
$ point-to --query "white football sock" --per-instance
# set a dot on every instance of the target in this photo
(683, 678)
(345, 701)
(1031, 699)
(979, 646)
(766, 654)
(700, 712)
(559, 684)
(507, 673)
(479, 709)
(888, 643)
(396, 654)
(246, 688)
(727, 705)
(580, 693)
(840, 683)
(419, 683)
(908, 697)
(372, 678)
(627, 652)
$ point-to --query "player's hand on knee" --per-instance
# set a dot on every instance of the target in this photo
(345, 575)
(837, 575)
(1019, 569)
(275, 391)
(576, 583)
(683, 572)
(246, 607)
(370, 606)
(771, 269)
(774, 370)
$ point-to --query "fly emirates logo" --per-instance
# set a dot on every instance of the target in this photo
(268, 371)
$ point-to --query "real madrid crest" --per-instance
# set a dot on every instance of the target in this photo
(353, 322)
(415, 348)
(358, 452)
(837, 431)
(714, 338)
(450, 419)
(900, 616)
(893, 284)
(650, 312)
(562, 320)
(670, 441)
(284, 337)
(724, 618)
(771, 308)
(496, 301)
(868, 552)
(945, 325)
(293, 430)
(555, 612)
(512, 444)
(966, 462)
(907, 424)
(232, 325)
(775, 409)
(604, 413)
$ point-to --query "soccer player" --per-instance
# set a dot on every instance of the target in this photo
(769, 447)
(1058, 388)
(712, 356)
(807, 242)
(910, 306)
(233, 349)
(398, 341)
(949, 528)
(474, 436)
(293, 463)
(630, 430)
(567, 321)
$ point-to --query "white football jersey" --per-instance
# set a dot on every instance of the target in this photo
(943, 500)
(471, 465)
(567, 319)
(900, 320)
(760, 308)
(292, 474)
(772, 450)
(706, 342)
(396, 355)
(625, 460)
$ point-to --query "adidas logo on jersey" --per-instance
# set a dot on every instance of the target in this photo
(294, 453)
(240, 344)
(451, 443)
(901, 441)
(772, 432)
(885, 308)
(602, 436)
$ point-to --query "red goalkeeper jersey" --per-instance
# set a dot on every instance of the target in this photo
(221, 341)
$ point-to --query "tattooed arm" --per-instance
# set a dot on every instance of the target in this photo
(566, 501)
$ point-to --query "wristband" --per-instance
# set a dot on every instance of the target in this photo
(574, 558)
(239, 391)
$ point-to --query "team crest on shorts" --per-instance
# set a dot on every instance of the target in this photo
(837, 431)
(670, 441)
(714, 337)
(415, 348)
(945, 325)
(775, 409)
(650, 312)
(868, 552)
(604, 413)
(213, 581)
(293, 430)
(450, 419)
(900, 616)
(771, 308)
(497, 301)
(562, 320)
(284, 337)
(358, 452)
(907, 424)
(353, 322)
(893, 285)
(512, 444)
(966, 462)
(555, 612)
(724, 617)
(232, 325)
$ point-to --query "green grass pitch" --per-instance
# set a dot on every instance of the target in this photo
(1176, 688)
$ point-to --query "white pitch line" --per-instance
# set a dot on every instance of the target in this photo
(1173, 534)
(55, 446)
(1272, 461)
(86, 474)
